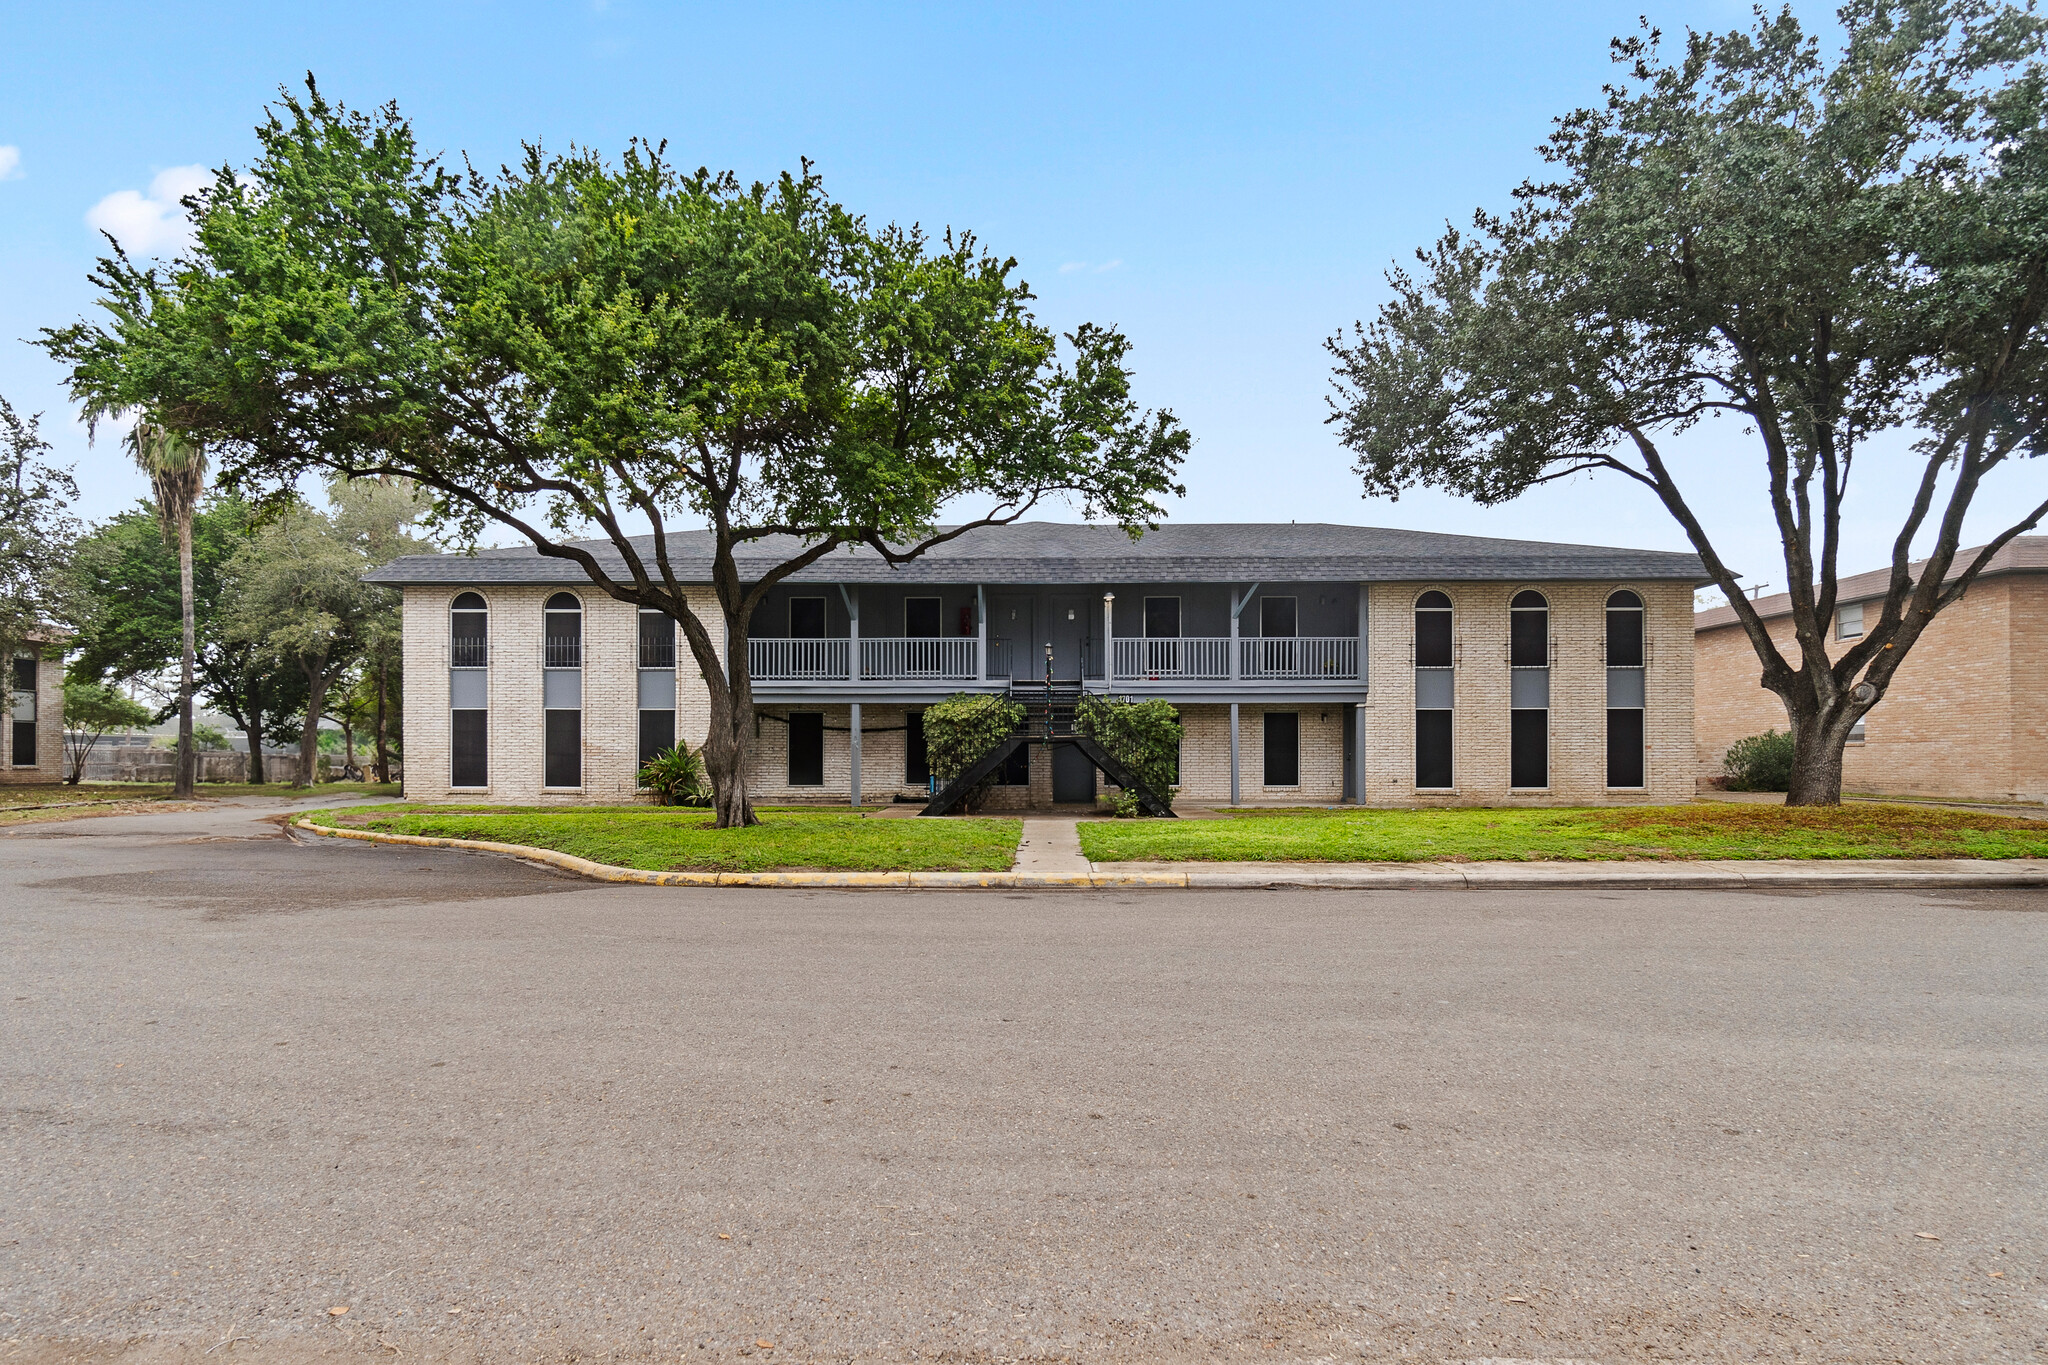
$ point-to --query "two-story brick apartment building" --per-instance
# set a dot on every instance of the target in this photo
(32, 743)
(1310, 663)
(1965, 716)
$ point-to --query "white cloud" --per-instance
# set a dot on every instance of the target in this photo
(1071, 266)
(1109, 265)
(150, 223)
(10, 163)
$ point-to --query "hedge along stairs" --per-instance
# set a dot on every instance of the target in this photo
(1050, 715)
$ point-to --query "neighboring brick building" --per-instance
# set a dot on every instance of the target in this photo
(1491, 659)
(32, 742)
(1966, 715)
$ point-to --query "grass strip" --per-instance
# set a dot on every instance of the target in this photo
(1704, 830)
(673, 839)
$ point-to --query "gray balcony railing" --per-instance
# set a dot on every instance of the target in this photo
(1198, 658)
(929, 657)
(469, 651)
(796, 660)
(658, 653)
(563, 651)
(1304, 657)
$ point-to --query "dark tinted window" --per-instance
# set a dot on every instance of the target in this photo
(470, 767)
(1432, 635)
(1529, 632)
(1625, 748)
(564, 749)
(1624, 631)
(1529, 749)
(1016, 768)
(921, 617)
(1276, 616)
(806, 749)
(1283, 749)
(1432, 748)
(25, 673)
(1162, 618)
(657, 640)
(807, 618)
(657, 732)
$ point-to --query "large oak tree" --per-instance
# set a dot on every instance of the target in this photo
(1824, 251)
(580, 345)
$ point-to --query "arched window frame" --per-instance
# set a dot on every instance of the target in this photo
(1627, 692)
(1435, 692)
(460, 656)
(1529, 660)
(565, 651)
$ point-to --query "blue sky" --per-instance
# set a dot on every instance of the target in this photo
(1226, 184)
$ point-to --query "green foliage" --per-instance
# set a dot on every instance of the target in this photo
(960, 729)
(90, 711)
(1760, 763)
(579, 342)
(208, 738)
(1824, 252)
(36, 529)
(1142, 735)
(677, 777)
(1121, 805)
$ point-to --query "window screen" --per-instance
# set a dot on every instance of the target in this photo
(657, 733)
(1277, 617)
(1433, 631)
(563, 623)
(1529, 749)
(806, 749)
(921, 617)
(1624, 631)
(1849, 622)
(1283, 749)
(1625, 748)
(1529, 631)
(1433, 749)
(657, 639)
(25, 673)
(1162, 618)
(24, 744)
(564, 740)
(470, 750)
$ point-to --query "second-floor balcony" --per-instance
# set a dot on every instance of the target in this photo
(1289, 659)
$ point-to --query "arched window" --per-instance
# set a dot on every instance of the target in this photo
(1435, 690)
(469, 691)
(562, 691)
(657, 682)
(469, 631)
(563, 623)
(1626, 690)
(1529, 690)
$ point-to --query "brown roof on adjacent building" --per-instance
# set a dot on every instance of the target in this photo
(2021, 554)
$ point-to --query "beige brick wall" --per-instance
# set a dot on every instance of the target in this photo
(1578, 695)
(49, 764)
(1578, 710)
(1954, 722)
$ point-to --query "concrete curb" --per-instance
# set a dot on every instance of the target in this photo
(1875, 874)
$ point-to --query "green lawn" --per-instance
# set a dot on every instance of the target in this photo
(1700, 830)
(664, 839)
(14, 799)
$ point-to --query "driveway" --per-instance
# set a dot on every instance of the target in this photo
(495, 1113)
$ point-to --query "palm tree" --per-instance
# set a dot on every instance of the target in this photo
(176, 466)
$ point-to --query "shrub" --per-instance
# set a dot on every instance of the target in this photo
(1761, 763)
(960, 729)
(1121, 805)
(676, 776)
(1144, 736)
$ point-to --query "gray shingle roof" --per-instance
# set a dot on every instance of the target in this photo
(2021, 554)
(1064, 552)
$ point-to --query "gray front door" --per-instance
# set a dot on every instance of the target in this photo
(1014, 649)
(1072, 638)
(1073, 776)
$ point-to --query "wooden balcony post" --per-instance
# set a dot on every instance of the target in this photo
(1109, 641)
(852, 600)
(980, 634)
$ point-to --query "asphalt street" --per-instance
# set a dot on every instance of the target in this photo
(495, 1113)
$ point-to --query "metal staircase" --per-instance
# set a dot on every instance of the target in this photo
(1049, 710)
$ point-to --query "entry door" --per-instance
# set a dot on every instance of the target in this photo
(1073, 776)
(1072, 638)
(1011, 647)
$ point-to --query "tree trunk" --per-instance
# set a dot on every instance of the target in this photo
(726, 749)
(253, 735)
(188, 757)
(348, 742)
(309, 733)
(383, 759)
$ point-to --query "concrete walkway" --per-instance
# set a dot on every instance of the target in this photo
(1051, 846)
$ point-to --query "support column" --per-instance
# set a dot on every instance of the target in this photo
(1237, 606)
(980, 634)
(853, 735)
(1233, 729)
(1358, 752)
(852, 600)
(1109, 642)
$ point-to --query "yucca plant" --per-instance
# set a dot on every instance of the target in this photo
(677, 775)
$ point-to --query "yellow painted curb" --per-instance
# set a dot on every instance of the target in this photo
(606, 872)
